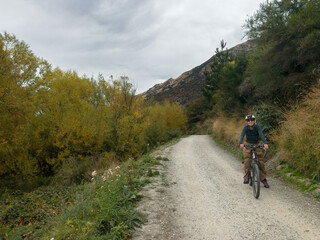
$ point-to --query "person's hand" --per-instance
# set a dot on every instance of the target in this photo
(266, 146)
(242, 146)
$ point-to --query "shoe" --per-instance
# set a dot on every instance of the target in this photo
(245, 181)
(265, 183)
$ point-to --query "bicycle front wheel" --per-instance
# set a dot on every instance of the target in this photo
(256, 181)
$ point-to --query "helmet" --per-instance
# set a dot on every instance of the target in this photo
(248, 117)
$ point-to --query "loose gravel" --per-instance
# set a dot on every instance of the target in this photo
(203, 197)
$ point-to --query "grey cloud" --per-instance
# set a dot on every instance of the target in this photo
(147, 40)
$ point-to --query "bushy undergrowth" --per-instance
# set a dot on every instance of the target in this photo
(299, 138)
(100, 209)
(269, 117)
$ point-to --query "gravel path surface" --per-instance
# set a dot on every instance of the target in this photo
(203, 197)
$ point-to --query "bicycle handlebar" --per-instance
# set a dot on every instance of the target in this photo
(252, 146)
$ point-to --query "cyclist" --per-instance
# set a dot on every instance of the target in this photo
(253, 134)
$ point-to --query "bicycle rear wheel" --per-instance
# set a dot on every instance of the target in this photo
(256, 180)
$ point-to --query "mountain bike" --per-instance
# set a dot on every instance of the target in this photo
(254, 176)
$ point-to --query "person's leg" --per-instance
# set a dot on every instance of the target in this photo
(263, 172)
(246, 156)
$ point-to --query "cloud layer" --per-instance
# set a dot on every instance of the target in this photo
(147, 40)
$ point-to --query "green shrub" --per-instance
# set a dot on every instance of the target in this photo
(268, 117)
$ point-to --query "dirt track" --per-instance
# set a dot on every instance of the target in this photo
(206, 199)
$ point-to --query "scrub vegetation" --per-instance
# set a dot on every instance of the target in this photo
(56, 129)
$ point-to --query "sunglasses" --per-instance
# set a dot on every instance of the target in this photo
(248, 120)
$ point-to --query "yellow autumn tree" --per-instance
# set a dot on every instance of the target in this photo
(48, 117)
(164, 122)
(124, 117)
(20, 74)
(68, 122)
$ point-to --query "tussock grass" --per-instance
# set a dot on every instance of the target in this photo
(299, 137)
(228, 129)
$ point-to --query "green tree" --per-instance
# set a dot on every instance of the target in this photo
(232, 75)
(288, 34)
(213, 75)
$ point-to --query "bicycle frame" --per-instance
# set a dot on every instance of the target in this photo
(254, 177)
(253, 158)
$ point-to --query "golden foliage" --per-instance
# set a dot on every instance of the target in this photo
(20, 72)
(48, 117)
(164, 122)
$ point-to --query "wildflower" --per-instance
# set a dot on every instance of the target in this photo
(117, 167)
(104, 177)
(110, 172)
(94, 173)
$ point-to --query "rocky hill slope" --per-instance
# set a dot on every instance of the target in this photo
(187, 87)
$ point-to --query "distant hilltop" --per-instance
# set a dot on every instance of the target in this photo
(187, 87)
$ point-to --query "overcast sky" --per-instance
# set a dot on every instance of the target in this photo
(148, 41)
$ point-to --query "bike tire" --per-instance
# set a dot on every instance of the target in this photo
(256, 181)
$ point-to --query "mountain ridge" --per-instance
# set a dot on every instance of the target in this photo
(187, 87)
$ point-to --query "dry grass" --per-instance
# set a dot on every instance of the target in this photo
(204, 127)
(299, 138)
(227, 129)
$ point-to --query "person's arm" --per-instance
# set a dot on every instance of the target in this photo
(262, 137)
(241, 137)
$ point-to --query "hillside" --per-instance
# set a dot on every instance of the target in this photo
(187, 87)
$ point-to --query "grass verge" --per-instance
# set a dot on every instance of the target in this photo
(305, 184)
(101, 209)
(235, 151)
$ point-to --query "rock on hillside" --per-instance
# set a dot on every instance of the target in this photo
(187, 87)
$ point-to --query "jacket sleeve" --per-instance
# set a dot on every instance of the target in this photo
(242, 135)
(262, 137)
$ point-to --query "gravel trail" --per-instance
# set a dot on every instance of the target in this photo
(206, 199)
